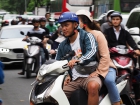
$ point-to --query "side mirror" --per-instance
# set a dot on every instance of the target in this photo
(134, 31)
(22, 33)
(90, 9)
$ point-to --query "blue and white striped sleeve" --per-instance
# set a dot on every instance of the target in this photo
(91, 47)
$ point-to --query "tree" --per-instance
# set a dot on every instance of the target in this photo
(18, 6)
(14, 6)
(37, 3)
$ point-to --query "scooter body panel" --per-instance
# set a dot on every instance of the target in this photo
(33, 50)
(32, 57)
(119, 65)
(106, 99)
(57, 91)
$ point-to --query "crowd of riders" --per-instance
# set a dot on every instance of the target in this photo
(90, 40)
(109, 34)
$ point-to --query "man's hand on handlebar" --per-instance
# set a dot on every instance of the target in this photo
(72, 63)
(137, 52)
(24, 39)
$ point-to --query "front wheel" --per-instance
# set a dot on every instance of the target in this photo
(29, 71)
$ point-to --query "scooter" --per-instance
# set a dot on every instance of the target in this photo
(32, 57)
(122, 58)
(47, 89)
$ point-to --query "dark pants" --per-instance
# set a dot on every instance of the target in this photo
(46, 53)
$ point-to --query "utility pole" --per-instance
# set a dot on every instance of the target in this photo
(25, 6)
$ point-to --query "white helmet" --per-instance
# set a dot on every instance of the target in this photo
(109, 12)
(86, 13)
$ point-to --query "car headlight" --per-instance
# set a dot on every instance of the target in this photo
(4, 50)
(26, 47)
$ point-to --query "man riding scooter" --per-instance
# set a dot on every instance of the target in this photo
(39, 33)
(85, 47)
(116, 35)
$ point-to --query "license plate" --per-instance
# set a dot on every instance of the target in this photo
(19, 55)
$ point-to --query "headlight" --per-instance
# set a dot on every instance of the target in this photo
(26, 47)
(4, 50)
(42, 71)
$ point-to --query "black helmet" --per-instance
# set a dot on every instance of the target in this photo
(42, 19)
(116, 14)
(35, 20)
(19, 16)
(24, 19)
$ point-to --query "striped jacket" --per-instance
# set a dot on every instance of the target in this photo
(88, 46)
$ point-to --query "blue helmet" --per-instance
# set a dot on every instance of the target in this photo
(68, 16)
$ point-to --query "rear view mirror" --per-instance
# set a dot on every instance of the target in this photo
(21, 32)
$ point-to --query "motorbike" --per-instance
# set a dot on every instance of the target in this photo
(48, 88)
(122, 58)
(32, 57)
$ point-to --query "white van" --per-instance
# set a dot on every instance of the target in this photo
(134, 18)
(133, 24)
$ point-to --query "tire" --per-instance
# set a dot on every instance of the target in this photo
(29, 71)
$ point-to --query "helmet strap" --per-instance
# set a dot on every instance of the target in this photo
(73, 33)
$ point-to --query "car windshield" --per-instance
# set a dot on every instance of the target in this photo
(134, 20)
(14, 33)
(6, 17)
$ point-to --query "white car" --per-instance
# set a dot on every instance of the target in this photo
(133, 24)
(11, 44)
(125, 18)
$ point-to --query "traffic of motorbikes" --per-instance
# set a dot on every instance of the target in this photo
(47, 89)
(48, 86)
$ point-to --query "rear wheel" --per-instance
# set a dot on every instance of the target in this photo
(29, 71)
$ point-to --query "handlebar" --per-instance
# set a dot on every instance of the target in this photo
(121, 51)
(70, 54)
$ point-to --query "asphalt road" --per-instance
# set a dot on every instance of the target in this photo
(16, 89)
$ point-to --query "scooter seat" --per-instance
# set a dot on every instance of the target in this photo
(80, 96)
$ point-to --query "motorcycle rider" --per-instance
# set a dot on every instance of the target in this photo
(105, 63)
(23, 22)
(84, 45)
(51, 26)
(108, 24)
(42, 25)
(116, 35)
(40, 33)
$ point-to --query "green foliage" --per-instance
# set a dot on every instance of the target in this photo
(18, 6)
